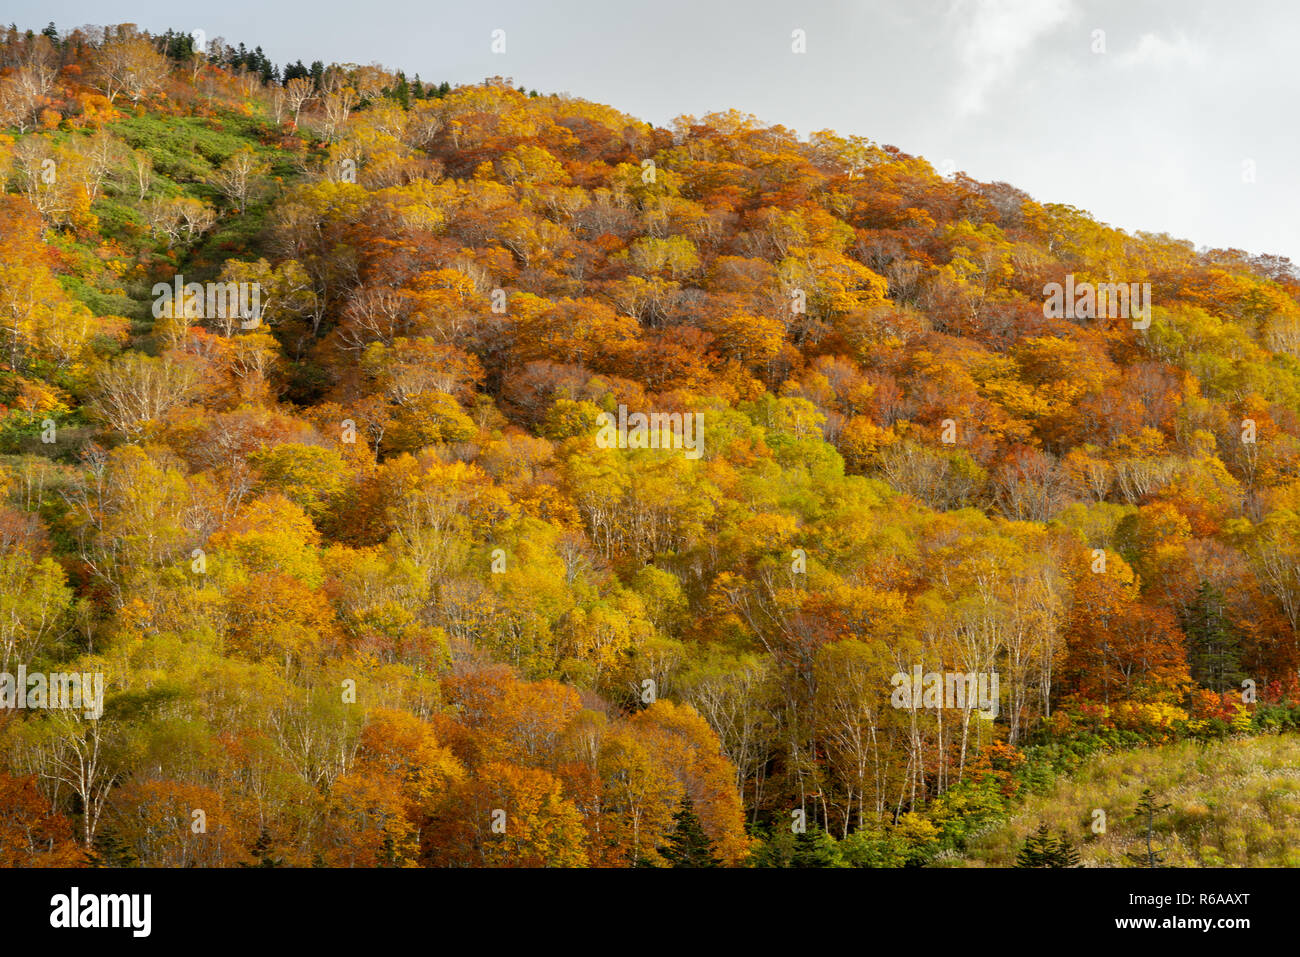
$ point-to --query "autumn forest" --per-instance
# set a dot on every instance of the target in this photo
(412, 474)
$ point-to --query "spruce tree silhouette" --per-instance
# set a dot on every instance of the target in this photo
(1147, 809)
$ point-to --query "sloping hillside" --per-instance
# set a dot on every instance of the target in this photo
(398, 454)
(1233, 803)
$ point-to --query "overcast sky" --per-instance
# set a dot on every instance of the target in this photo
(1186, 123)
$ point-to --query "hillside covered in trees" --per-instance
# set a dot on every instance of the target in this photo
(365, 586)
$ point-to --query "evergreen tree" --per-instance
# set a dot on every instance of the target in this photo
(261, 851)
(816, 848)
(109, 850)
(812, 848)
(401, 90)
(1043, 850)
(1213, 645)
(265, 68)
(1147, 809)
(688, 845)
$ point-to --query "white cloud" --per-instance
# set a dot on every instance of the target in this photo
(1155, 51)
(992, 38)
